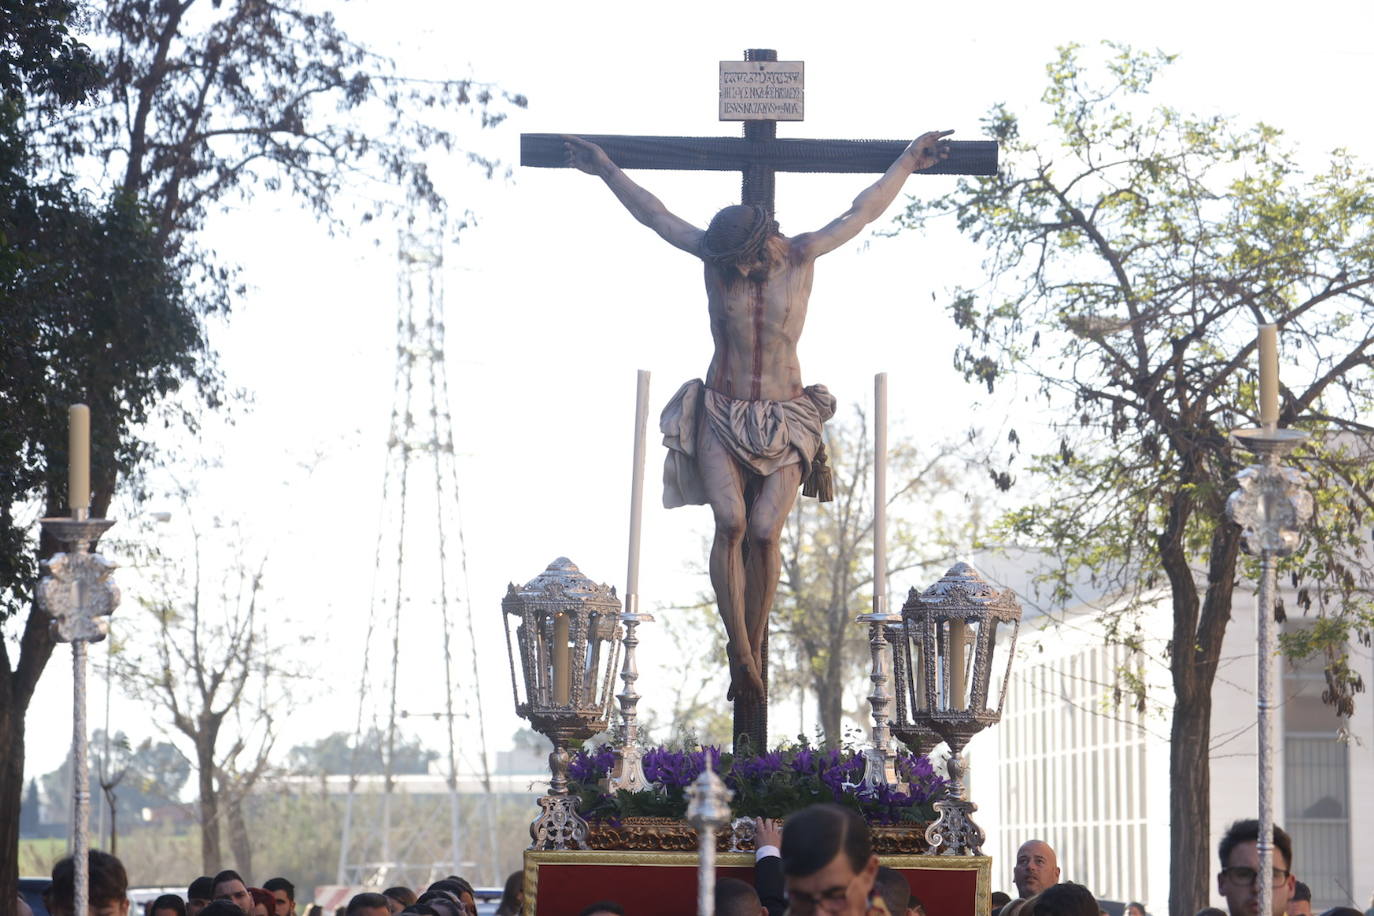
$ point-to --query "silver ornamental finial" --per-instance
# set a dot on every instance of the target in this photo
(708, 800)
(708, 809)
(1271, 506)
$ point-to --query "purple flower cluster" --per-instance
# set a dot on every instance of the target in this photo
(771, 784)
(760, 767)
(593, 767)
(678, 769)
(837, 771)
(920, 773)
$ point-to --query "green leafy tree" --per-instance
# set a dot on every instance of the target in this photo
(1130, 258)
(194, 106)
(89, 311)
(125, 778)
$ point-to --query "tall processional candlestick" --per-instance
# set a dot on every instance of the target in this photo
(78, 593)
(628, 773)
(880, 765)
(1271, 505)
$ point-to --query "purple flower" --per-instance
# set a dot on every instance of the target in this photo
(591, 767)
(758, 768)
(920, 773)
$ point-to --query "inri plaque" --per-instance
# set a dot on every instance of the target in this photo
(761, 90)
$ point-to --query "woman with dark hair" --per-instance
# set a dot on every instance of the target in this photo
(512, 895)
(168, 905)
(398, 898)
(1067, 899)
(264, 904)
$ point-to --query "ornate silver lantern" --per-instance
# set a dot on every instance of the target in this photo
(567, 631)
(952, 640)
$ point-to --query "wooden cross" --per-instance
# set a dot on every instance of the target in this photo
(759, 155)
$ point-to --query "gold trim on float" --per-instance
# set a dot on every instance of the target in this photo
(982, 889)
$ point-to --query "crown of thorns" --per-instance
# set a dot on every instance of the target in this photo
(746, 250)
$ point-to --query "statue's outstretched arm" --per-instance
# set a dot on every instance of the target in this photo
(642, 205)
(921, 153)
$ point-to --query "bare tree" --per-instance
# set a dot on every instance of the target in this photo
(828, 557)
(210, 668)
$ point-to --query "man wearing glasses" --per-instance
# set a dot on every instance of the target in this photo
(829, 864)
(1239, 878)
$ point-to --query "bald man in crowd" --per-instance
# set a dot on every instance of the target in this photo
(1037, 867)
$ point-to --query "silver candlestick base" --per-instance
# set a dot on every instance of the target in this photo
(628, 772)
(954, 833)
(559, 826)
(880, 763)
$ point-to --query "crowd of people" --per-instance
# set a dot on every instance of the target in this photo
(822, 862)
(1040, 891)
(229, 894)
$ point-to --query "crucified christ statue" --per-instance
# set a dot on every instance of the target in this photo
(748, 437)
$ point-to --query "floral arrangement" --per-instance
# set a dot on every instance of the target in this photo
(772, 784)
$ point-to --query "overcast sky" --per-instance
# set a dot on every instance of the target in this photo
(556, 296)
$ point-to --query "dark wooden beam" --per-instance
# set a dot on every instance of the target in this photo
(735, 154)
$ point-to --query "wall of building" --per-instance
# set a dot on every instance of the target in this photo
(1077, 765)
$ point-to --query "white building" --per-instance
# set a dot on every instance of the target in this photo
(1090, 775)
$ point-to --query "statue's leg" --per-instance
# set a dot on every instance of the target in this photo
(723, 479)
(767, 515)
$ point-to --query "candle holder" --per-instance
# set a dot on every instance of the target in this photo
(880, 763)
(628, 772)
(953, 622)
(1271, 504)
(566, 628)
(708, 810)
(78, 593)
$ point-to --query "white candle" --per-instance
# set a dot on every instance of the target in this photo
(79, 457)
(637, 489)
(1269, 374)
(880, 492)
(919, 659)
(958, 638)
(560, 660)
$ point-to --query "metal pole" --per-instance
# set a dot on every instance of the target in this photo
(1266, 677)
(342, 873)
(81, 778)
(1271, 505)
(79, 595)
(706, 872)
